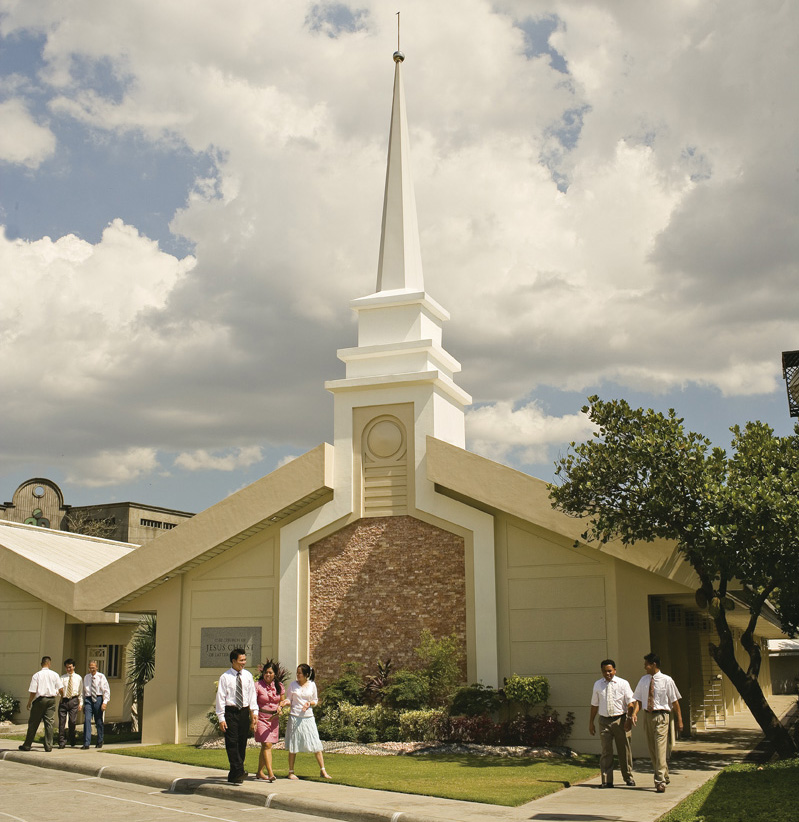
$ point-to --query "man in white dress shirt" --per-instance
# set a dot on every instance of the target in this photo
(45, 686)
(96, 696)
(237, 712)
(70, 704)
(612, 699)
(658, 695)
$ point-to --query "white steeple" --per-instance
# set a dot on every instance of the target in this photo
(399, 326)
(400, 263)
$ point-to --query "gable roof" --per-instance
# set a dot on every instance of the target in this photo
(289, 491)
(491, 486)
(47, 563)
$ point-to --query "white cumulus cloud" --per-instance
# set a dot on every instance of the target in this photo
(525, 435)
(202, 460)
(23, 141)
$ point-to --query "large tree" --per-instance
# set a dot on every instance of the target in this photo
(733, 516)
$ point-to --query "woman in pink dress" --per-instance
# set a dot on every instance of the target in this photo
(271, 697)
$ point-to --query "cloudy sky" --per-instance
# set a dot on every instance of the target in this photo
(191, 193)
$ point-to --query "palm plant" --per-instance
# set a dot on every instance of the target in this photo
(141, 663)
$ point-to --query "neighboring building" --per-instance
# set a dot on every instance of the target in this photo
(40, 502)
(348, 552)
(784, 659)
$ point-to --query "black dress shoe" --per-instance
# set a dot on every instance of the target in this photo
(99, 745)
(47, 750)
(630, 782)
(61, 746)
(23, 748)
(606, 785)
(85, 747)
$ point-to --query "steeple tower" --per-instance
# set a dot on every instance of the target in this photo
(399, 325)
(400, 263)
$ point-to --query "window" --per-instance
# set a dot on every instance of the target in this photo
(151, 523)
(109, 659)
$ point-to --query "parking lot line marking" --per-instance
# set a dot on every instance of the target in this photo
(160, 807)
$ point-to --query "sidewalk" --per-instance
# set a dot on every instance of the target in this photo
(693, 763)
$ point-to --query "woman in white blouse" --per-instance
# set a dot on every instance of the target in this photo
(301, 733)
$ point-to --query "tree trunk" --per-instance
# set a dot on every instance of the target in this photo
(749, 688)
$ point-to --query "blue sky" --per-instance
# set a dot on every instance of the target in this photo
(607, 201)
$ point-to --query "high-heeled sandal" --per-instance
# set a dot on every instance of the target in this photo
(292, 775)
(324, 774)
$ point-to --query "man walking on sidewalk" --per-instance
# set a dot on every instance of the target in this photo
(612, 698)
(45, 686)
(237, 712)
(659, 694)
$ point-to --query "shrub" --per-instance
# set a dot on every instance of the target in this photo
(542, 730)
(420, 726)
(442, 663)
(357, 723)
(481, 730)
(474, 700)
(527, 691)
(8, 706)
(407, 690)
(373, 692)
(347, 688)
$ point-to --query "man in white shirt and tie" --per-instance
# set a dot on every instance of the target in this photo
(44, 688)
(237, 712)
(96, 696)
(70, 703)
(658, 695)
(612, 698)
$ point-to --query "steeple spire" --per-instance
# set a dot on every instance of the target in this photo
(400, 263)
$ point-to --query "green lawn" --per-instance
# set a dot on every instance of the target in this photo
(744, 793)
(494, 780)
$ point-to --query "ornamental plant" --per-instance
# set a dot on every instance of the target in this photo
(8, 706)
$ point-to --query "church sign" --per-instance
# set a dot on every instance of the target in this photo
(217, 643)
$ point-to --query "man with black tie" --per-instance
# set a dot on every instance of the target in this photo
(237, 712)
(70, 703)
(96, 696)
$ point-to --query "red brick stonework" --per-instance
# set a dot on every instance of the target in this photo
(375, 585)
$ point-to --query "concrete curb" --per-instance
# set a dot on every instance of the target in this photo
(206, 787)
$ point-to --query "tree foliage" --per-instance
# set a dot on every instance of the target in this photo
(733, 517)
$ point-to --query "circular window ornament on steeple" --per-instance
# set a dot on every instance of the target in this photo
(385, 439)
(38, 491)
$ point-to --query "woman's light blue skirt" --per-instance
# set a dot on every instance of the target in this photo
(302, 736)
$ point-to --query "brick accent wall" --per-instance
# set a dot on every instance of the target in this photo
(375, 585)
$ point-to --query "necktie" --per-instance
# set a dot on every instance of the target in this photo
(610, 706)
(650, 702)
(94, 687)
(239, 691)
(69, 688)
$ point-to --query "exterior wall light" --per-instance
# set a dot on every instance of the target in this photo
(790, 371)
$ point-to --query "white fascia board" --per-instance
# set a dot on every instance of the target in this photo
(421, 346)
(419, 377)
(401, 296)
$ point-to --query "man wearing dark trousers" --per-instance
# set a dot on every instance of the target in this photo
(237, 712)
(44, 688)
(70, 703)
(612, 698)
(96, 696)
